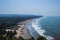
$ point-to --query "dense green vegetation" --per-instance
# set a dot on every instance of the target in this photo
(8, 21)
(8, 35)
(41, 38)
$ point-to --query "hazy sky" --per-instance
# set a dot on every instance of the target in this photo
(36, 7)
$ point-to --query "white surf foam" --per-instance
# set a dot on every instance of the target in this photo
(37, 26)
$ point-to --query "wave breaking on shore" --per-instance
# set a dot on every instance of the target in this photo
(35, 24)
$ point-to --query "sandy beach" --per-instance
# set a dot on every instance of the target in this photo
(22, 30)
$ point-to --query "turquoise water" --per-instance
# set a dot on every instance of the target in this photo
(51, 25)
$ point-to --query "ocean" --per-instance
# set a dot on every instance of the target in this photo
(48, 27)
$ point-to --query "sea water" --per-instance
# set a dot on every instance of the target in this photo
(51, 25)
(48, 27)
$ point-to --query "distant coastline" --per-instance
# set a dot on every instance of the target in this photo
(16, 24)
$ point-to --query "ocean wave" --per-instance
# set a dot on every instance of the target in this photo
(35, 24)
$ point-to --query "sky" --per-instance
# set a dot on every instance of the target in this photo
(34, 7)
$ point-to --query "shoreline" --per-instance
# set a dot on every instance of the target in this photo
(22, 30)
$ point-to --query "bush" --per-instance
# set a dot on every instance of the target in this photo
(31, 38)
(41, 38)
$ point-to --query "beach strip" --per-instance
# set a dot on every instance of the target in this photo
(22, 30)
